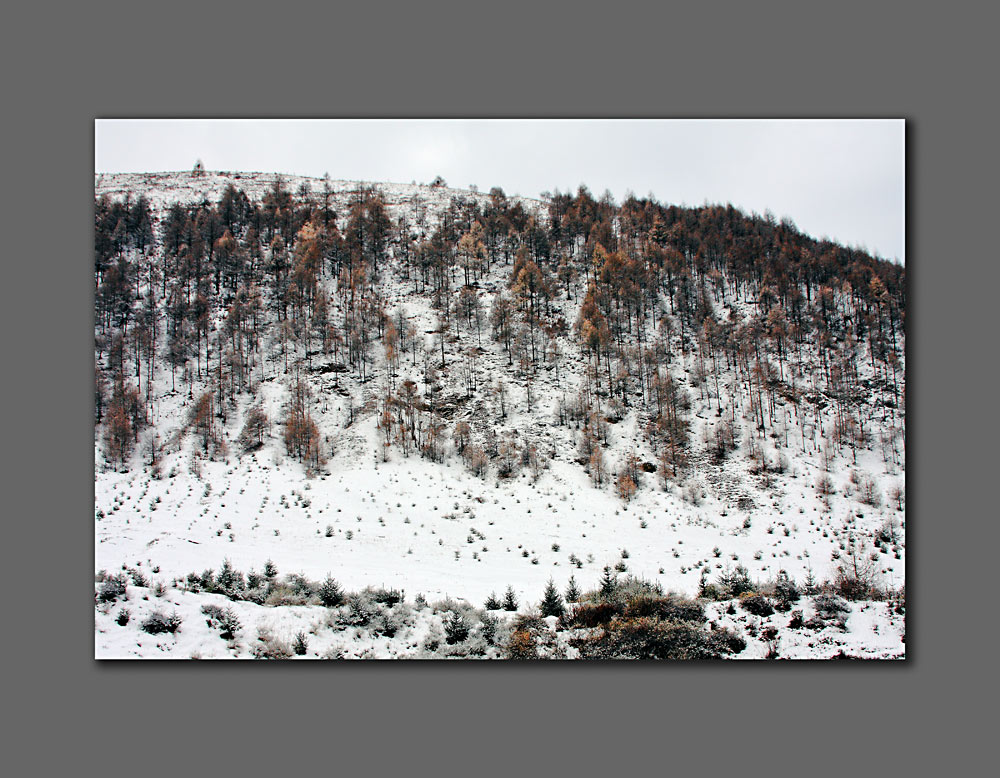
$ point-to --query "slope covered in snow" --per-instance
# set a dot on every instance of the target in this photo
(394, 499)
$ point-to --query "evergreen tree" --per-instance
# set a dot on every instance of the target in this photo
(330, 593)
(608, 584)
(510, 600)
(572, 590)
(552, 603)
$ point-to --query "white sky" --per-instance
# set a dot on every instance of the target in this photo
(841, 179)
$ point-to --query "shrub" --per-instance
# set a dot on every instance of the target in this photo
(887, 532)
(112, 588)
(229, 624)
(283, 594)
(785, 590)
(123, 617)
(757, 604)
(330, 593)
(385, 596)
(829, 605)
(856, 576)
(621, 590)
(159, 622)
(590, 615)
(361, 611)
(796, 621)
(224, 619)
(302, 586)
(389, 621)
(138, 579)
(735, 582)
(521, 645)
(670, 608)
(435, 636)
(650, 638)
(269, 647)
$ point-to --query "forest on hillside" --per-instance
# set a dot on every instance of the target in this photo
(786, 341)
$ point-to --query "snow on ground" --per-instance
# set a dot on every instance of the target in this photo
(437, 530)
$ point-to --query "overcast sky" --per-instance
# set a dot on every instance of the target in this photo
(841, 179)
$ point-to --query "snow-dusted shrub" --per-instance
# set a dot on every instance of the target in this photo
(857, 575)
(757, 604)
(733, 583)
(389, 621)
(360, 610)
(123, 617)
(590, 614)
(385, 596)
(112, 588)
(435, 637)
(284, 594)
(138, 579)
(649, 638)
(267, 646)
(887, 533)
(158, 622)
(831, 610)
(223, 619)
(785, 591)
(521, 644)
(672, 607)
(829, 605)
(301, 585)
(869, 492)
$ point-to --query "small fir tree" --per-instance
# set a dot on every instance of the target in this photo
(330, 593)
(552, 602)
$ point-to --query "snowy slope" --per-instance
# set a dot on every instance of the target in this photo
(438, 530)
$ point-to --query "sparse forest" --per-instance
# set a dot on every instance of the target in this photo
(461, 392)
(659, 305)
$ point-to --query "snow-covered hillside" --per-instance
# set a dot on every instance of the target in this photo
(166, 189)
(784, 499)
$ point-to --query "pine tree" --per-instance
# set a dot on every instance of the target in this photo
(510, 600)
(608, 583)
(552, 602)
(330, 593)
(456, 628)
(572, 590)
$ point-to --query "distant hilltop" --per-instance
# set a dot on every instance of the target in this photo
(188, 187)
